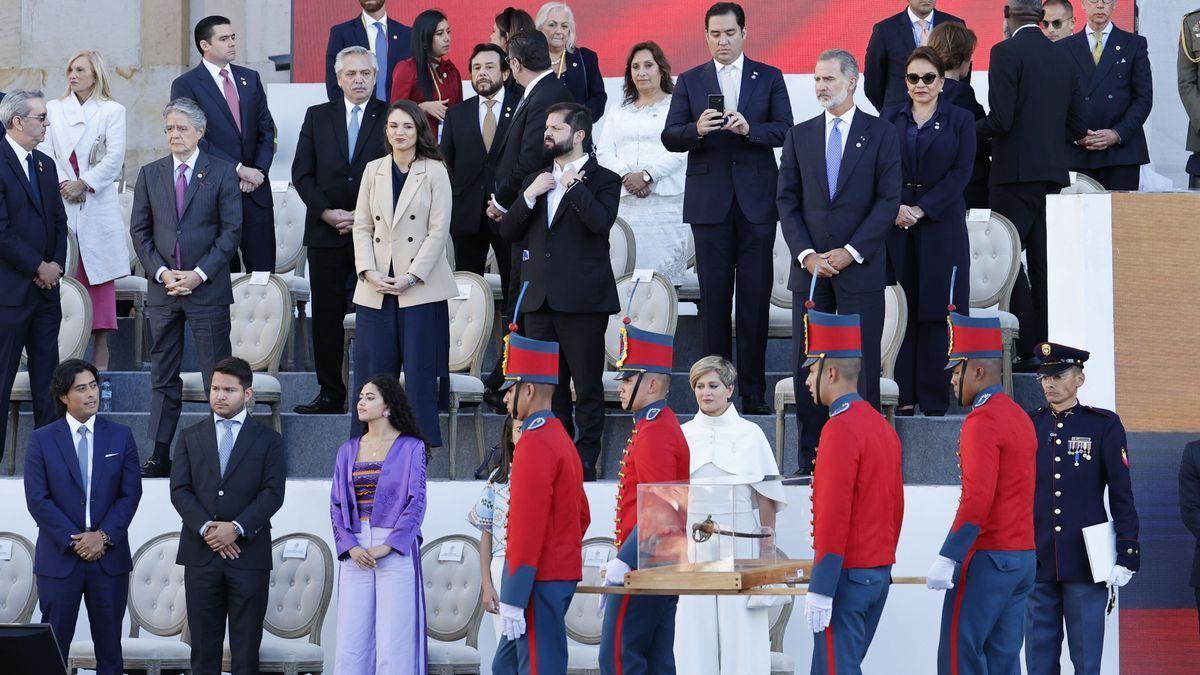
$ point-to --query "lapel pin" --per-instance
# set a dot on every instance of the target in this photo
(200, 175)
(754, 75)
(244, 82)
(858, 145)
(39, 166)
(937, 125)
(1118, 47)
(573, 64)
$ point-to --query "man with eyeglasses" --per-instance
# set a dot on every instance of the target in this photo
(33, 253)
(1113, 68)
(1058, 21)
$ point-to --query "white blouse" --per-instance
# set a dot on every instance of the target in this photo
(736, 447)
(632, 141)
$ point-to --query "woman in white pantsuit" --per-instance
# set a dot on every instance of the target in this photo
(726, 635)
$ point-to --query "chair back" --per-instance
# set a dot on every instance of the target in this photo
(585, 619)
(622, 249)
(75, 329)
(450, 253)
(156, 598)
(453, 590)
(781, 268)
(472, 314)
(72, 255)
(18, 585)
(289, 229)
(995, 260)
(1082, 184)
(301, 586)
(260, 321)
(895, 322)
(690, 249)
(777, 617)
(656, 308)
(125, 200)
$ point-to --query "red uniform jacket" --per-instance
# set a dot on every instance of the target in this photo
(657, 453)
(857, 493)
(547, 511)
(998, 451)
(447, 86)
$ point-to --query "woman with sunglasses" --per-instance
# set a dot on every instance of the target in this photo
(930, 234)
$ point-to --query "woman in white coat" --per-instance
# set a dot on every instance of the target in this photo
(727, 635)
(86, 138)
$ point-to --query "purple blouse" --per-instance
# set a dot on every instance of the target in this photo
(399, 496)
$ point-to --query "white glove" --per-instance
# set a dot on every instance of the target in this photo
(818, 609)
(513, 620)
(941, 574)
(614, 572)
(1119, 576)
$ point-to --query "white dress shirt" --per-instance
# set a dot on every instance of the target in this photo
(369, 25)
(555, 195)
(22, 154)
(916, 27)
(362, 109)
(497, 107)
(731, 82)
(187, 175)
(75, 425)
(1102, 35)
(240, 418)
(847, 119)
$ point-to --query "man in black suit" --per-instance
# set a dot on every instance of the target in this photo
(1189, 506)
(1114, 77)
(563, 217)
(33, 253)
(226, 482)
(336, 141)
(892, 40)
(364, 31)
(1035, 110)
(240, 131)
(839, 192)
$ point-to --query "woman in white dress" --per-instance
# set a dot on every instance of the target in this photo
(727, 635)
(652, 178)
(86, 138)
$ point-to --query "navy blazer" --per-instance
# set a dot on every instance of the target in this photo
(764, 103)
(55, 497)
(581, 76)
(255, 145)
(354, 34)
(1117, 95)
(863, 210)
(1189, 501)
(887, 51)
(30, 232)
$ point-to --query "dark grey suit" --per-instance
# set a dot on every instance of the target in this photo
(207, 235)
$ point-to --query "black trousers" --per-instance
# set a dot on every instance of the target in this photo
(921, 363)
(580, 340)
(869, 307)
(258, 237)
(210, 327)
(215, 593)
(1126, 177)
(34, 328)
(734, 257)
(331, 271)
(1025, 205)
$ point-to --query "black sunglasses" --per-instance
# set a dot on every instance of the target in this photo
(927, 78)
(1055, 24)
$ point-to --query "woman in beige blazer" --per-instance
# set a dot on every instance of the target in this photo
(401, 227)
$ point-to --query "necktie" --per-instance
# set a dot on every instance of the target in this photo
(922, 32)
(352, 133)
(180, 198)
(1098, 48)
(225, 446)
(489, 125)
(81, 451)
(833, 156)
(231, 97)
(731, 92)
(381, 53)
(34, 183)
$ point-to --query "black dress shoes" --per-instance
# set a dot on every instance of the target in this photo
(755, 405)
(495, 399)
(321, 405)
(156, 468)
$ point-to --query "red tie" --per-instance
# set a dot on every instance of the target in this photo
(231, 97)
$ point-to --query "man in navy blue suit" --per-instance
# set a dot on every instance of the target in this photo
(240, 131)
(728, 194)
(364, 30)
(33, 253)
(839, 193)
(892, 40)
(1114, 76)
(82, 487)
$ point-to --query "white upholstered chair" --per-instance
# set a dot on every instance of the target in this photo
(995, 264)
(300, 589)
(72, 255)
(471, 320)
(290, 259)
(779, 316)
(782, 663)
(73, 334)
(585, 619)
(689, 290)
(1082, 184)
(156, 605)
(18, 585)
(655, 308)
(895, 322)
(134, 287)
(260, 321)
(622, 247)
(453, 606)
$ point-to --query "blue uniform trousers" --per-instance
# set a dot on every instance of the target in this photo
(1081, 605)
(857, 606)
(105, 596)
(542, 650)
(984, 614)
(639, 635)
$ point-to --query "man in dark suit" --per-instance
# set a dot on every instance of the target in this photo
(337, 140)
(185, 225)
(364, 31)
(240, 131)
(730, 188)
(892, 40)
(839, 193)
(1187, 73)
(1113, 69)
(563, 217)
(82, 487)
(1189, 506)
(33, 253)
(1035, 110)
(227, 481)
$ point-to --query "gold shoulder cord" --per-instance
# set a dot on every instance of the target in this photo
(1183, 32)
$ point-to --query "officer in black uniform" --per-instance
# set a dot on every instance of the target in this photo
(1081, 451)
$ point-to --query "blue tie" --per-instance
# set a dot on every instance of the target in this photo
(352, 133)
(381, 53)
(81, 451)
(833, 156)
(33, 180)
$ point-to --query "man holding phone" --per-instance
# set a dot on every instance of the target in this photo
(729, 114)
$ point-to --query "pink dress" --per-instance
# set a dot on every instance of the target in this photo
(104, 296)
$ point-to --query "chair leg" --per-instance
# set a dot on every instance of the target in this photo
(276, 420)
(890, 413)
(1006, 365)
(139, 333)
(779, 411)
(302, 335)
(10, 440)
(479, 449)
(453, 424)
(346, 364)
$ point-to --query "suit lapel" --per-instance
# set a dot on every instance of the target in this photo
(588, 168)
(856, 141)
(503, 118)
(166, 181)
(1080, 51)
(925, 140)
(198, 173)
(1108, 58)
(99, 448)
(708, 75)
(906, 30)
(66, 447)
(340, 134)
(416, 175)
(245, 439)
(18, 166)
(209, 88)
(366, 129)
(242, 86)
(817, 139)
(749, 83)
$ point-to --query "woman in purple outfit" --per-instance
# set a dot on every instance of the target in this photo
(376, 505)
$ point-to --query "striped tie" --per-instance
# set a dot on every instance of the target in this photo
(833, 156)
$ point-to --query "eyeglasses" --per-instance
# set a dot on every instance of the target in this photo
(1055, 24)
(180, 128)
(1101, 3)
(41, 118)
(927, 78)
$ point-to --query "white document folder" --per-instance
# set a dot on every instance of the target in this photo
(1101, 543)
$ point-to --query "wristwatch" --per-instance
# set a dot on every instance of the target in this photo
(105, 537)
(647, 177)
